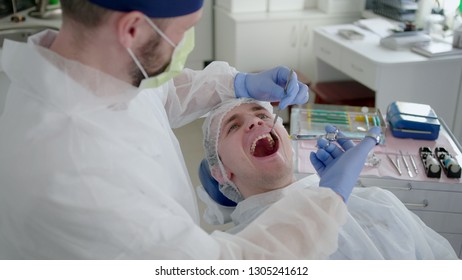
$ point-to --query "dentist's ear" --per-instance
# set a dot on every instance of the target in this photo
(129, 27)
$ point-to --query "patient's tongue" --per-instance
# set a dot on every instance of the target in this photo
(263, 148)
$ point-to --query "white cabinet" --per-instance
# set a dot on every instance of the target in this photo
(458, 118)
(4, 85)
(257, 41)
(392, 74)
(437, 204)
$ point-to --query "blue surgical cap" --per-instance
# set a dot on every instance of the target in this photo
(153, 8)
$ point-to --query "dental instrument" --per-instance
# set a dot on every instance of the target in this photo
(398, 164)
(406, 165)
(303, 136)
(326, 136)
(285, 93)
(395, 165)
(413, 163)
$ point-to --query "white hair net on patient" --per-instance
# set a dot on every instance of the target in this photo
(211, 130)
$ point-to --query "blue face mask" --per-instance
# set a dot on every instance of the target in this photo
(179, 56)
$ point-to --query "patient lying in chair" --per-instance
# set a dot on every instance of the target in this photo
(252, 167)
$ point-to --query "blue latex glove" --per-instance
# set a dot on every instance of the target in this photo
(269, 86)
(339, 168)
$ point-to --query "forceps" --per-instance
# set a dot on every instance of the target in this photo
(285, 93)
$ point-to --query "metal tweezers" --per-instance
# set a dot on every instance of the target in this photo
(289, 78)
(395, 164)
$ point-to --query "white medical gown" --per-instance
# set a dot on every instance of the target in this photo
(93, 170)
(379, 226)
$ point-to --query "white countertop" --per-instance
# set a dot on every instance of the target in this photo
(370, 46)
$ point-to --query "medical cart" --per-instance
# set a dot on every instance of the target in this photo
(437, 201)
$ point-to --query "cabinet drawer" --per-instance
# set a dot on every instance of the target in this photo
(418, 199)
(358, 68)
(441, 222)
(339, 6)
(456, 242)
(326, 50)
(429, 200)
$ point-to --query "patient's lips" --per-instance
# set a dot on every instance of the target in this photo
(265, 145)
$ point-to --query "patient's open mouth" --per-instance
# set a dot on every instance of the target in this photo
(265, 145)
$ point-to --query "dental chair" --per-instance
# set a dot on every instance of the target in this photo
(211, 186)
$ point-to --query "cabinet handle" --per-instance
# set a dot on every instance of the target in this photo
(357, 68)
(414, 205)
(408, 188)
(306, 36)
(294, 36)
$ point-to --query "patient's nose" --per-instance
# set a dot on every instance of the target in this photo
(254, 122)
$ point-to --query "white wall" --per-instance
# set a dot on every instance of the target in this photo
(203, 50)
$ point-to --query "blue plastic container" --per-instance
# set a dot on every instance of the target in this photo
(413, 120)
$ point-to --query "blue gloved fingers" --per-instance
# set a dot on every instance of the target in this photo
(317, 164)
(333, 150)
(303, 94)
(345, 143)
(341, 173)
(322, 143)
(288, 96)
(298, 96)
(266, 86)
(239, 85)
(375, 130)
(368, 143)
(325, 157)
(269, 86)
(282, 75)
(330, 128)
(292, 91)
(329, 147)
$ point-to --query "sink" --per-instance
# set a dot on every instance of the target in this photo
(21, 33)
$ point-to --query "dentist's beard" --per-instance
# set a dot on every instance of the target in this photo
(148, 56)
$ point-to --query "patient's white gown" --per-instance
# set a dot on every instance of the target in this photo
(379, 225)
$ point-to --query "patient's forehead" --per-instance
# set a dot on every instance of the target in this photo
(246, 107)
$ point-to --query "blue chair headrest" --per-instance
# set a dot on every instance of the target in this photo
(211, 186)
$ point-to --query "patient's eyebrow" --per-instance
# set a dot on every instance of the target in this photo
(230, 120)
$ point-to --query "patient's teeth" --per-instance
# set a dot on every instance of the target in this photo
(254, 144)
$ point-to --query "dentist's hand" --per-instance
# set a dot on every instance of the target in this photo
(338, 168)
(269, 86)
